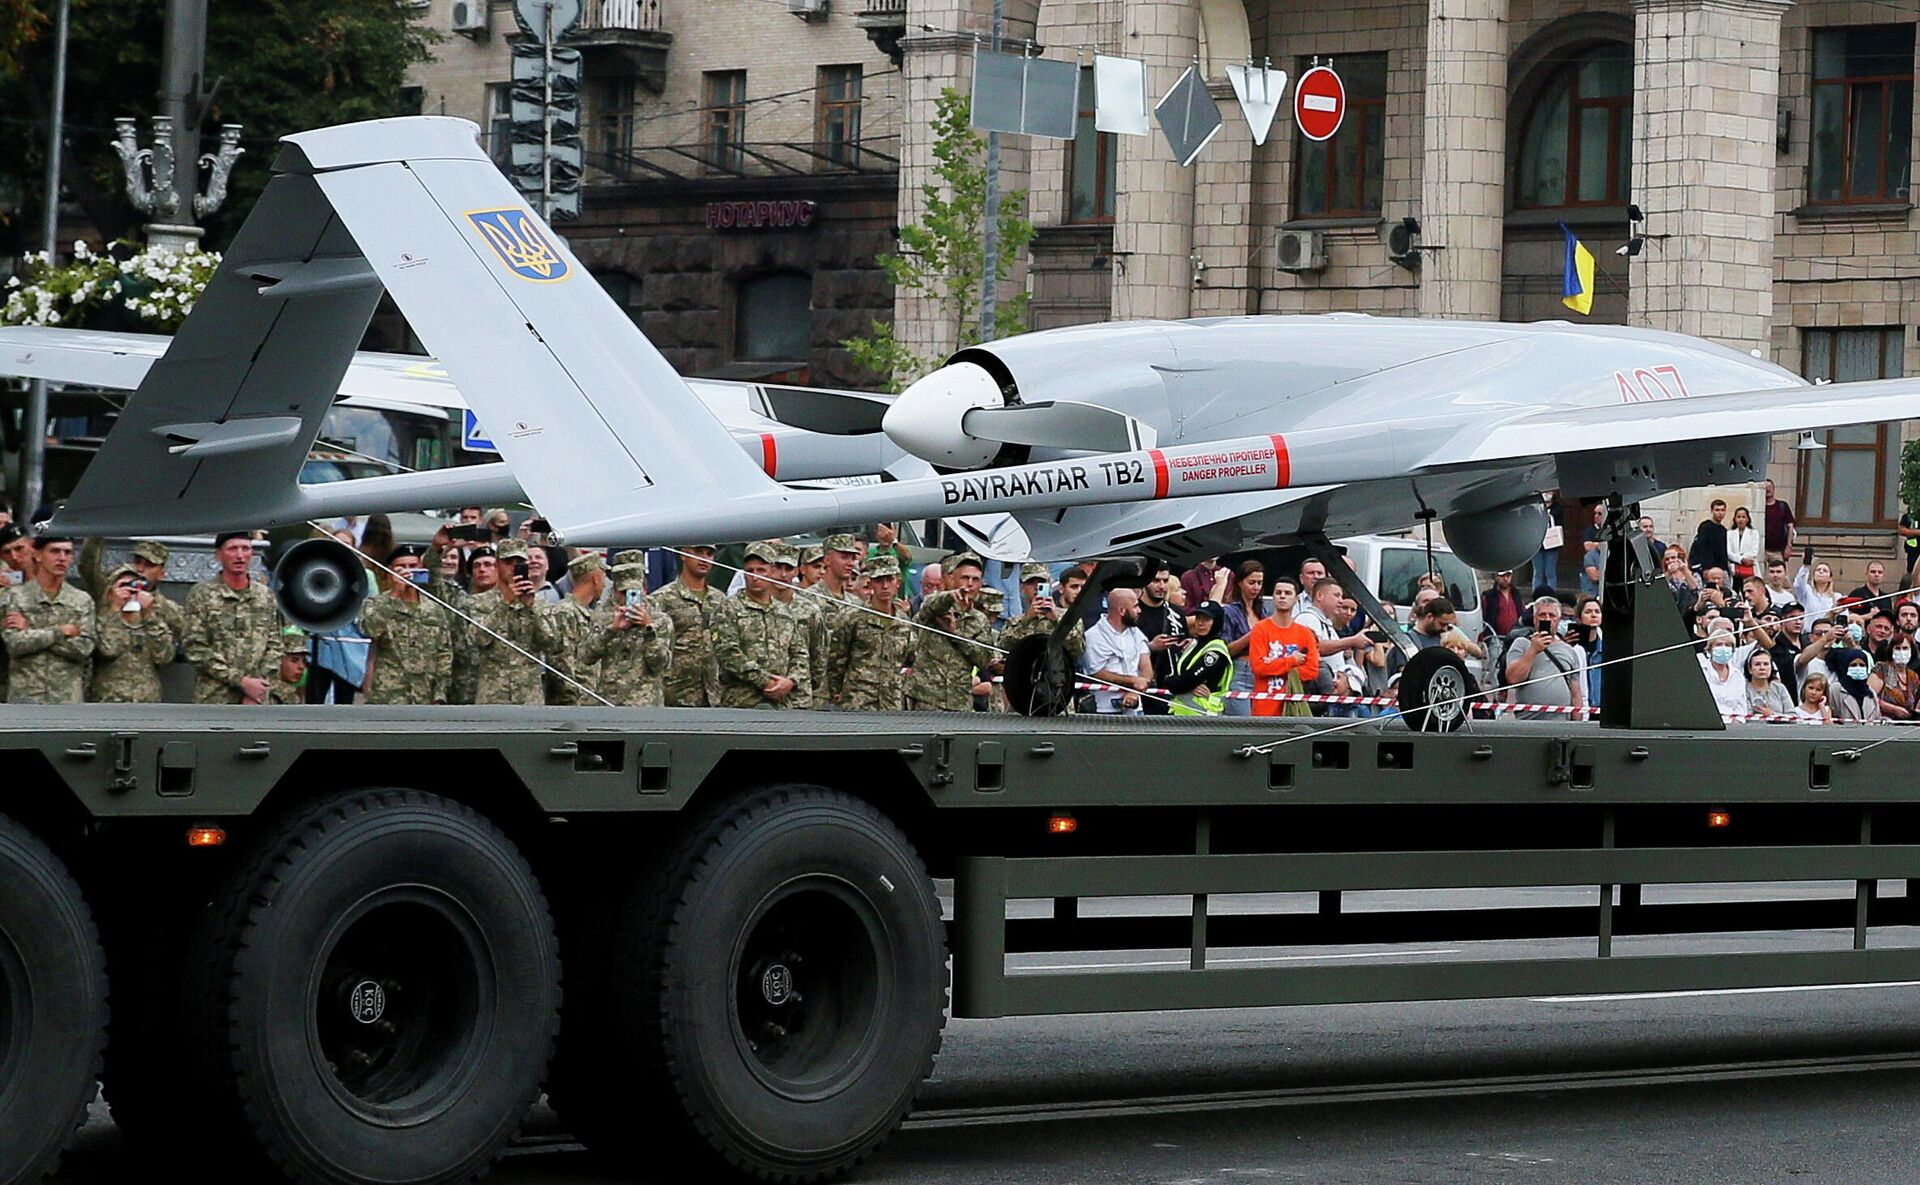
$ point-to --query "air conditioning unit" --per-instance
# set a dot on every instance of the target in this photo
(1301, 250)
(470, 17)
(1403, 243)
(808, 10)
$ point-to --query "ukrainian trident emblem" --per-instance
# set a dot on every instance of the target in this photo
(521, 244)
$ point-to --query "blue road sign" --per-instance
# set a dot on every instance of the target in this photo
(473, 438)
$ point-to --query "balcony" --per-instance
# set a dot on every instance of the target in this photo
(610, 157)
(620, 37)
(884, 22)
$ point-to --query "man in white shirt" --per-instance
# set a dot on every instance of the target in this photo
(1324, 615)
(1117, 656)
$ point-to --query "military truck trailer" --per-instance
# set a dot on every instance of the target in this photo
(355, 946)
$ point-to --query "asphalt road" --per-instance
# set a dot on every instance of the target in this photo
(1805, 1085)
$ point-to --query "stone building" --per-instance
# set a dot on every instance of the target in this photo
(1766, 144)
(741, 169)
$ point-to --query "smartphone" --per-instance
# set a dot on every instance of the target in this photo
(540, 525)
(519, 567)
(635, 598)
(469, 533)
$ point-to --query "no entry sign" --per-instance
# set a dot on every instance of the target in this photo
(1319, 103)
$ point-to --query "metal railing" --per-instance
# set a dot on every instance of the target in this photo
(639, 16)
(884, 8)
(671, 162)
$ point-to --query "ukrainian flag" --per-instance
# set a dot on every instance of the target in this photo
(1576, 283)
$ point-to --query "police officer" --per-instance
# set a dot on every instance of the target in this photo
(133, 641)
(870, 648)
(631, 645)
(515, 635)
(48, 629)
(761, 648)
(693, 680)
(233, 628)
(412, 637)
(1203, 669)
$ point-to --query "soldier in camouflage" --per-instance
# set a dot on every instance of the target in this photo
(133, 641)
(869, 648)
(16, 567)
(233, 629)
(514, 634)
(761, 648)
(47, 627)
(810, 610)
(693, 679)
(631, 644)
(572, 681)
(483, 580)
(841, 554)
(290, 678)
(412, 637)
(149, 563)
(944, 659)
(963, 574)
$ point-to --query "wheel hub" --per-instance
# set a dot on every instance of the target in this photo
(368, 1001)
(776, 985)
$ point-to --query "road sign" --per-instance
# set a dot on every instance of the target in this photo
(473, 438)
(536, 16)
(1319, 103)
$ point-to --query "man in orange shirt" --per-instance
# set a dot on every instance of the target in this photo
(1279, 646)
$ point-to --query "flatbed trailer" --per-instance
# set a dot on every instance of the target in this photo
(354, 945)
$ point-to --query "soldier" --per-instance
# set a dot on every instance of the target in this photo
(149, 563)
(869, 648)
(631, 645)
(570, 684)
(963, 574)
(761, 648)
(513, 634)
(133, 641)
(412, 637)
(811, 612)
(48, 629)
(813, 566)
(943, 657)
(290, 677)
(1042, 613)
(232, 628)
(483, 580)
(842, 558)
(693, 680)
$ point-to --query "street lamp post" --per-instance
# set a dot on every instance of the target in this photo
(33, 462)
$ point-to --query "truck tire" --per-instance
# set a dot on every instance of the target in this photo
(377, 993)
(1435, 691)
(783, 990)
(53, 1006)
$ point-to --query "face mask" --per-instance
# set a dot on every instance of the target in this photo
(1856, 632)
(1857, 674)
(1902, 656)
(1721, 654)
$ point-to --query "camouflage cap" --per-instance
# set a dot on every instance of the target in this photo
(150, 552)
(881, 567)
(949, 563)
(991, 600)
(842, 543)
(628, 564)
(293, 640)
(114, 576)
(1033, 571)
(585, 562)
(510, 549)
(938, 605)
(812, 555)
(766, 551)
(786, 554)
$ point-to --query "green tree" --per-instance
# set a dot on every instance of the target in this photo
(279, 67)
(943, 255)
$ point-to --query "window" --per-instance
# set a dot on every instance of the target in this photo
(1855, 480)
(726, 110)
(1862, 113)
(1341, 176)
(1402, 567)
(1575, 149)
(1090, 163)
(610, 104)
(837, 129)
(774, 318)
(624, 290)
(500, 123)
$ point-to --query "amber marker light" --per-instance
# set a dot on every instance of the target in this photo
(1062, 824)
(1719, 819)
(206, 837)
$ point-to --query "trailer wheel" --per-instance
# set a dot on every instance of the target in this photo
(1435, 691)
(379, 991)
(788, 987)
(53, 1006)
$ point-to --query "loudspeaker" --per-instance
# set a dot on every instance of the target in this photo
(320, 584)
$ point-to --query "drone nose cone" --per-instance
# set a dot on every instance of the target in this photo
(927, 419)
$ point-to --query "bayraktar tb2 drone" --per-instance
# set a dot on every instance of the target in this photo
(1175, 438)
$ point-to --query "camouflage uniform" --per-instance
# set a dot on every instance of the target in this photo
(693, 678)
(573, 675)
(99, 580)
(293, 640)
(47, 666)
(869, 649)
(127, 656)
(502, 674)
(465, 679)
(230, 636)
(943, 666)
(754, 641)
(412, 650)
(632, 661)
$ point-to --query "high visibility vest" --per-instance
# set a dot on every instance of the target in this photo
(1203, 700)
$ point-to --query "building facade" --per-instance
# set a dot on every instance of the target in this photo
(741, 169)
(1764, 145)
